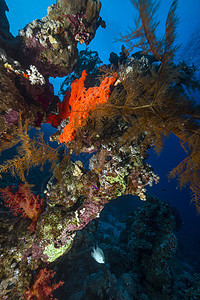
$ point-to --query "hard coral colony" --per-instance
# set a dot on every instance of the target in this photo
(140, 99)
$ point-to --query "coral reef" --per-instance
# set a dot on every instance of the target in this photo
(15, 240)
(74, 197)
(141, 98)
(133, 270)
(46, 47)
(51, 43)
(24, 89)
(152, 243)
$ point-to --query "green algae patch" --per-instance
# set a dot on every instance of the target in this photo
(53, 252)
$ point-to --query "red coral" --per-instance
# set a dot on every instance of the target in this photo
(64, 112)
(42, 287)
(82, 101)
(24, 202)
(77, 105)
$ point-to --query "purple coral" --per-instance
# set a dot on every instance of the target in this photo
(11, 117)
(80, 33)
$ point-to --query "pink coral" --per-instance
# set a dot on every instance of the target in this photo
(11, 117)
(42, 287)
(24, 202)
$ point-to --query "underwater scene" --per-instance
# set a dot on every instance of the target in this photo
(100, 150)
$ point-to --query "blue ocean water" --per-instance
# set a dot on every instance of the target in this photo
(119, 17)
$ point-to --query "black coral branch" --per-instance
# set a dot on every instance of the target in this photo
(30, 153)
(144, 34)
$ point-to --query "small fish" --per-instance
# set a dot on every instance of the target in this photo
(98, 255)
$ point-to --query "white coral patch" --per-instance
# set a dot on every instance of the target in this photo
(34, 76)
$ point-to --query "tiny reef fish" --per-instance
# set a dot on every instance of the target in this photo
(98, 255)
